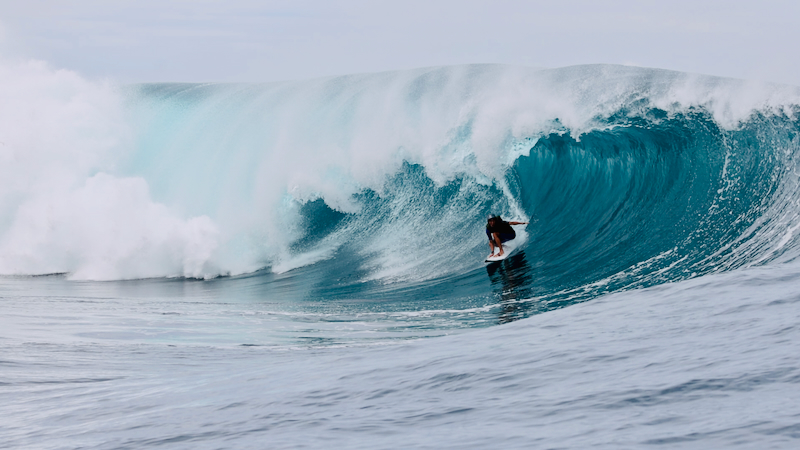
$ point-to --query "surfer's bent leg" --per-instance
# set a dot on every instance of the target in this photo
(499, 238)
(499, 242)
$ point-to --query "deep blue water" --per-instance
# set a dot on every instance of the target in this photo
(300, 264)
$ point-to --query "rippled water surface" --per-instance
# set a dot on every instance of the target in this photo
(301, 264)
(705, 363)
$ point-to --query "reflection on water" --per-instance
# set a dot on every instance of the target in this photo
(512, 279)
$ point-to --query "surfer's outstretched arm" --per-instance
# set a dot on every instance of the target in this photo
(517, 223)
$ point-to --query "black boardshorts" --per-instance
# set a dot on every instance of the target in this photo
(504, 237)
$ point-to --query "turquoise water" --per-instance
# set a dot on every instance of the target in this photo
(300, 264)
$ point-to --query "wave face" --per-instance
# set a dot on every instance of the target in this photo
(378, 186)
(277, 250)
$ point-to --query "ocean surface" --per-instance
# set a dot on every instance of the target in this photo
(300, 264)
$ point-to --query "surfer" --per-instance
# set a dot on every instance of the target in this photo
(499, 231)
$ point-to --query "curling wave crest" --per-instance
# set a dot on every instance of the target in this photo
(629, 176)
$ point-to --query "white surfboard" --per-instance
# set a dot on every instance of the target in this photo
(508, 249)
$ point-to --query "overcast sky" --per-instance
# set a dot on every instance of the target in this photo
(248, 40)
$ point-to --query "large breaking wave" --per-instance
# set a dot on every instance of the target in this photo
(629, 177)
